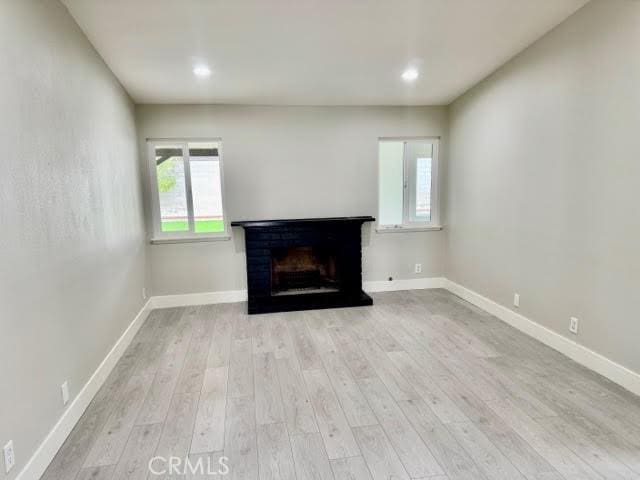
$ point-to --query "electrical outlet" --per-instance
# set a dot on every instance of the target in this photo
(144, 293)
(9, 456)
(573, 325)
(65, 393)
(418, 268)
(516, 299)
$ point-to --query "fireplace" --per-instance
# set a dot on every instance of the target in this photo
(304, 264)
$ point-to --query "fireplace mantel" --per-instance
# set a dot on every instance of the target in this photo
(299, 221)
(333, 280)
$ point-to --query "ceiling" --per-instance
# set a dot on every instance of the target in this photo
(311, 52)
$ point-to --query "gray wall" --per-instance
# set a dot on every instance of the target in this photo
(292, 162)
(72, 248)
(544, 181)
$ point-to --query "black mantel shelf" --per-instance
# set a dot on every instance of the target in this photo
(299, 221)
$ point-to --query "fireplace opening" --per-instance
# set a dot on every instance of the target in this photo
(301, 270)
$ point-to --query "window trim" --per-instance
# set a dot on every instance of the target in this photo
(160, 237)
(407, 224)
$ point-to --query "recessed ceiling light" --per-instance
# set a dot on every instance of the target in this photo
(410, 74)
(201, 71)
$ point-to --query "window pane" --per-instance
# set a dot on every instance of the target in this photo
(391, 180)
(423, 189)
(419, 159)
(174, 215)
(206, 187)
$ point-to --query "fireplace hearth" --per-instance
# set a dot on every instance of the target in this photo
(304, 264)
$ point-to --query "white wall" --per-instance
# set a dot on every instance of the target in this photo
(544, 181)
(292, 162)
(72, 248)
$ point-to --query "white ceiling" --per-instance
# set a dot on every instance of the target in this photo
(311, 52)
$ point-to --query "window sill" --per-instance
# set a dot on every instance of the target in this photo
(163, 241)
(434, 228)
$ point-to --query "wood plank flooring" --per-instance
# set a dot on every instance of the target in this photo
(421, 385)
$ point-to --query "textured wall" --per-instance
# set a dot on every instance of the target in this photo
(544, 181)
(72, 249)
(293, 162)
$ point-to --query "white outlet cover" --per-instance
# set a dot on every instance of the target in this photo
(418, 268)
(9, 456)
(516, 299)
(65, 393)
(573, 325)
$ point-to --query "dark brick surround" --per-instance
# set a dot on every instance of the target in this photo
(342, 235)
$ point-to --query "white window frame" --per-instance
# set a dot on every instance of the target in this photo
(409, 222)
(191, 236)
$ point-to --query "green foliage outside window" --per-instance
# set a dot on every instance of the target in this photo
(166, 176)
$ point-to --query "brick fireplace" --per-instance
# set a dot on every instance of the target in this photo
(304, 264)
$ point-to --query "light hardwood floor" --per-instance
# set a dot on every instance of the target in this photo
(421, 385)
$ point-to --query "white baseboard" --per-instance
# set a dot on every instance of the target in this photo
(231, 296)
(579, 353)
(204, 298)
(47, 450)
(403, 284)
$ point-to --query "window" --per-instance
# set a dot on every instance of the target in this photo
(407, 184)
(186, 184)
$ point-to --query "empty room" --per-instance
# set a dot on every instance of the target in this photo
(320, 239)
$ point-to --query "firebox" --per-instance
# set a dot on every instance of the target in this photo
(304, 264)
(301, 270)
